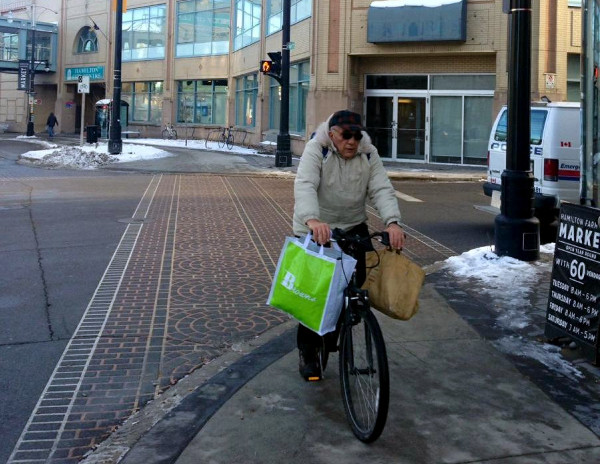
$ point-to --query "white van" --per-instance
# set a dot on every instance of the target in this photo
(554, 154)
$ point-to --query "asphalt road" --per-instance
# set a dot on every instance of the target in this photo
(60, 229)
(446, 214)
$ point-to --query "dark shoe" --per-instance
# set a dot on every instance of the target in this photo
(309, 367)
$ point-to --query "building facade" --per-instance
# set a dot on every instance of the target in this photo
(428, 77)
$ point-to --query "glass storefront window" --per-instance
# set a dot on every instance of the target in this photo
(446, 129)
(397, 82)
(202, 101)
(246, 90)
(202, 28)
(144, 32)
(478, 120)
(145, 101)
(443, 118)
(299, 82)
(463, 82)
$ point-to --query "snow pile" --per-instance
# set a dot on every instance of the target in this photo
(89, 156)
(548, 355)
(508, 284)
(507, 281)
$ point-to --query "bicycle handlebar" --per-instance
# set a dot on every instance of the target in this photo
(343, 237)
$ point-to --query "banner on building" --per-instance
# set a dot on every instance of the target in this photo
(23, 80)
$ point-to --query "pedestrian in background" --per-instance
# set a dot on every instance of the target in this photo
(50, 123)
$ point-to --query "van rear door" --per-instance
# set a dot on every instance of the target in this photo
(539, 117)
(557, 168)
(497, 148)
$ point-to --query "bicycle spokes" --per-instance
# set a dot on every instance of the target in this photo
(364, 377)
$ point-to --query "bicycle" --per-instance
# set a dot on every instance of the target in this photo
(226, 138)
(168, 132)
(363, 364)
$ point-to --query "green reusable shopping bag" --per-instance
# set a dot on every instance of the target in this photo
(309, 283)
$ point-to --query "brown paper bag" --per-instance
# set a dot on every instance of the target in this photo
(394, 283)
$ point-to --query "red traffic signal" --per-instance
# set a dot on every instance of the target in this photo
(266, 66)
(272, 67)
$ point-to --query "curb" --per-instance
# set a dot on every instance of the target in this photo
(128, 441)
(433, 177)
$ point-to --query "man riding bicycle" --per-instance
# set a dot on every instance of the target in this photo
(339, 171)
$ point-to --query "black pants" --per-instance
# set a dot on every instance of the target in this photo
(306, 339)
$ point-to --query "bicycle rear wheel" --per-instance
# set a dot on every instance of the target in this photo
(230, 141)
(221, 141)
(364, 377)
(165, 134)
(174, 134)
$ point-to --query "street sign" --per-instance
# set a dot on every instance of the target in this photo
(23, 79)
(94, 73)
(575, 284)
(37, 101)
(83, 84)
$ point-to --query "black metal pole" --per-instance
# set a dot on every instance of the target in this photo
(30, 123)
(115, 143)
(517, 230)
(283, 156)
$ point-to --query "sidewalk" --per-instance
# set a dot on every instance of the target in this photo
(454, 399)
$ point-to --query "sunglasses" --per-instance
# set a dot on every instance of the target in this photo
(347, 134)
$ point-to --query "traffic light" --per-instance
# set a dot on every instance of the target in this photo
(275, 63)
(266, 66)
(272, 67)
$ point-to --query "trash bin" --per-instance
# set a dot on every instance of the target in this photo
(92, 134)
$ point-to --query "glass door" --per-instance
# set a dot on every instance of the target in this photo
(411, 136)
(380, 123)
(397, 125)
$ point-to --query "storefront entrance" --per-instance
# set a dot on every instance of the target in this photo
(430, 118)
(397, 125)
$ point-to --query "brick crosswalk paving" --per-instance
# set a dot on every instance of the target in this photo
(190, 278)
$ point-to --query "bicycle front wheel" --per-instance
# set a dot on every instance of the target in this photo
(221, 141)
(165, 134)
(230, 141)
(174, 135)
(364, 377)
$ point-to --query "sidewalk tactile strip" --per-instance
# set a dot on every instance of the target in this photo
(22, 451)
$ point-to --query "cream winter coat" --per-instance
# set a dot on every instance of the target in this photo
(334, 190)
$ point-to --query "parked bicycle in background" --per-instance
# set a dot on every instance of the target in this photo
(169, 132)
(226, 138)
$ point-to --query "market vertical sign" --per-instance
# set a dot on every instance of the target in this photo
(574, 297)
(23, 75)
